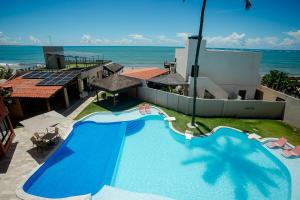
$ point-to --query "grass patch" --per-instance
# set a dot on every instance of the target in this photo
(107, 105)
(264, 127)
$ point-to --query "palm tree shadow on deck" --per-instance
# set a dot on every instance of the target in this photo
(233, 160)
(123, 103)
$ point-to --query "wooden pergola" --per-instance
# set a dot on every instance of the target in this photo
(115, 84)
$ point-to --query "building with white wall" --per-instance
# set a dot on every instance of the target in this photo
(223, 74)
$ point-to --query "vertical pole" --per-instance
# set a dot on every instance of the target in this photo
(196, 67)
(48, 105)
(97, 94)
(114, 99)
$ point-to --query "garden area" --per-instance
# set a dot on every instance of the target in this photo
(263, 127)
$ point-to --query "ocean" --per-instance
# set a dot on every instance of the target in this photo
(131, 56)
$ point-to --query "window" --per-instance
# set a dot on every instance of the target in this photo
(4, 131)
(208, 95)
(242, 94)
(279, 99)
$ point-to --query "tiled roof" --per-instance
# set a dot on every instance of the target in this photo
(144, 73)
(27, 88)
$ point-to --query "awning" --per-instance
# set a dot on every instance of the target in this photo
(43, 121)
(116, 83)
(169, 79)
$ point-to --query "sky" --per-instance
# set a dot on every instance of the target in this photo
(269, 24)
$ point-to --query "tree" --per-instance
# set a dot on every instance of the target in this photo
(276, 80)
(5, 73)
(195, 66)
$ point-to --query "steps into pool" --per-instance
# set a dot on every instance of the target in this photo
(134, 126)
(112, 193)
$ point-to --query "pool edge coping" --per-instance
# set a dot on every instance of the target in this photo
(20, 193)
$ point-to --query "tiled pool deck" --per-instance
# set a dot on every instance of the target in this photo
(18, 163)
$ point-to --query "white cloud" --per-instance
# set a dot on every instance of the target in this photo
(6, 40)
(287, 42)
(34, 40)
(124, 41)
(183, 35)
(262, 42)
(86, 39)
(165, 39)
(138, 37)
(236, 40)
(294, 34)
(232, 40)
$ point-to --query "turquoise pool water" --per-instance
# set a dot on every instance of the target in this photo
(145, 155)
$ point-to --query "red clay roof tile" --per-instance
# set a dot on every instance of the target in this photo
(27, 88)
(144, 73)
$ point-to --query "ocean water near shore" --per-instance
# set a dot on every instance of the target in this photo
(131, 56)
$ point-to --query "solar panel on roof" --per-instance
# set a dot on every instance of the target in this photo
(37, 75)
(59, 78)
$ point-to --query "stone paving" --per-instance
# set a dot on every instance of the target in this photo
(22, 158)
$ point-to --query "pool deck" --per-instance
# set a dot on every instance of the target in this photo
(22, 158)
(293, 165)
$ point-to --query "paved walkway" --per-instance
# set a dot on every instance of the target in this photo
(22, 158)
(76, 112)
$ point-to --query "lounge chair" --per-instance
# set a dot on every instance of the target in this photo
(147, 108)
(295, 152)
(278, 143)
(142, 109)
(170, 119)
(37, 143)
(188, 134)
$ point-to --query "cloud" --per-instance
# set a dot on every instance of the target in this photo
(165, 39)
(262, 41)
(138, 37)
(240, 40)
(232, 40)
(6, 40)
(34, 40)
(86, 39)
(183, 35)
(294, 34)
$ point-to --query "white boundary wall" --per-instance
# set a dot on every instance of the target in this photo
(213, 107)
(292, 106)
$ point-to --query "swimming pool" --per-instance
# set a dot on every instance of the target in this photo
(143, 154)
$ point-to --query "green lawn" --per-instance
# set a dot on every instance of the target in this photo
(264, 127)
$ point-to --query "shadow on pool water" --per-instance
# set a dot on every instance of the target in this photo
(230, 158)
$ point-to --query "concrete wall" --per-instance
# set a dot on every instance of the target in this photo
(213, 107)
(181, 56)
(52, 60)
(292, 112)
(292, 106)
(231, 70)
(91, 74)
(270, 94)
(205, 83)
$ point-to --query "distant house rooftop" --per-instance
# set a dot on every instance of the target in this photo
(116, 83)
(113, 67)
(169, 79)
(28, 88)
(144, 73)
